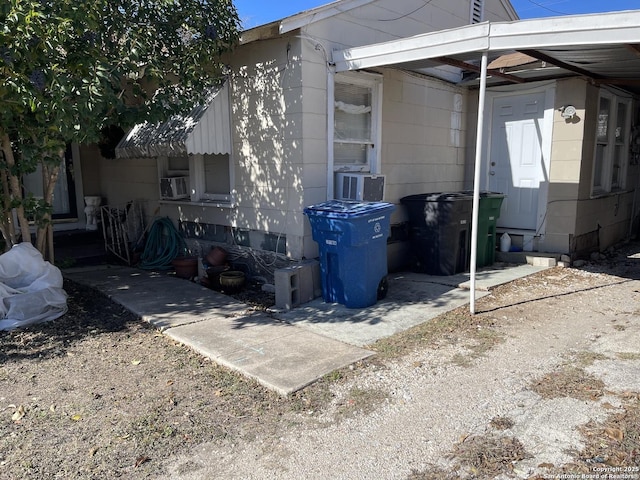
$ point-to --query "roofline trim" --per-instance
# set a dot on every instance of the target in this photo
(575, 30)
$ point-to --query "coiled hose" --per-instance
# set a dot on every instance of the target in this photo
(164, 243)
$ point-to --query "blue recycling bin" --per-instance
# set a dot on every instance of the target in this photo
(352, 239)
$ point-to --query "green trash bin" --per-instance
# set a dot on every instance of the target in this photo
(488, 214)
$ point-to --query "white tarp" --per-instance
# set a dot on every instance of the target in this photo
(30, 288)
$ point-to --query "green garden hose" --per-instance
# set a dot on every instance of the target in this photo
(164, 243)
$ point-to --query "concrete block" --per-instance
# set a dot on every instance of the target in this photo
(544, 262)
(564, 264)
(315, 276)
(297, 284)
(287, 282)
(305, 283)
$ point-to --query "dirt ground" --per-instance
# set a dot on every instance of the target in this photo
(98, 394)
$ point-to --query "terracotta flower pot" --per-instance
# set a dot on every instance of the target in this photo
(185, 267)
(217, 256)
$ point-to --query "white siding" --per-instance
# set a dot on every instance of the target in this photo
(385, 20)
(423, 148)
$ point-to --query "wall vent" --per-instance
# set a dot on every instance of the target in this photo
(477, 11)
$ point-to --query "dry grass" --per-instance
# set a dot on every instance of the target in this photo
(361, 401)
(501, 423)
(571, 382)
(99, 394)
(479, 456)
(587, 358)
(612, 447)
(487, 456)
(476, 333)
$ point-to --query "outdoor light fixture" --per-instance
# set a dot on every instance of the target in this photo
(568, 112)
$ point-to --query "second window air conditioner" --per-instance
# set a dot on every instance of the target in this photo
(359, 187)
(174, 188)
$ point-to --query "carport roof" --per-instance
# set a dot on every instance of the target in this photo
(603, 47)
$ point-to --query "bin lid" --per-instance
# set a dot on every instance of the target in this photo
(347, 209)
(436, 197)
(485, 194)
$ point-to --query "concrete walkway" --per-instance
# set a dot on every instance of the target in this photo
(286, 350)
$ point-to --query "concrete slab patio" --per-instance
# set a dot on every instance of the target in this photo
(283, 350)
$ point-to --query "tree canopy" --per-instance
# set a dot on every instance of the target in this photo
(69, 70)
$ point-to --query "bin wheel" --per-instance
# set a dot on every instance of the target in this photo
(383, 288)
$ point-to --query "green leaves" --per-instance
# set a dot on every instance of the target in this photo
(107, 62)
(68, 68)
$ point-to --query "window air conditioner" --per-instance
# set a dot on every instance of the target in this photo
(361, 187)
(174, 188)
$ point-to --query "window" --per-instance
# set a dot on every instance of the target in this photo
(213, 176)
(210, 176)
(612, 143)
(356, 129)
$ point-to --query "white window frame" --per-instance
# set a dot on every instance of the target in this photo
(609, 145)
(374, 82)
(197, 179)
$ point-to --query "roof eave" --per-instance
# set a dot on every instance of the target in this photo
(276, 28)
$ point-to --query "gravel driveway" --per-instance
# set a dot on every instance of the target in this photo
(543, 382)
(563, 366)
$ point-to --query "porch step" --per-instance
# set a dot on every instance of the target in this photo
(75, 248)
(532, 258)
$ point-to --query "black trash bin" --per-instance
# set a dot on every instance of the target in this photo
(440, 226)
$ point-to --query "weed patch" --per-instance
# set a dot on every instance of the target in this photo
(569, 382)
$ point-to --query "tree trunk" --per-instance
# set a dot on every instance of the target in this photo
(45, 231)
(15, 188)
(8, 227)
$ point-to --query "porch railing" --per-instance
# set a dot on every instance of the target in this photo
(122, 228)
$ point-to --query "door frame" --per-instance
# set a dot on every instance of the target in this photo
(549, 90)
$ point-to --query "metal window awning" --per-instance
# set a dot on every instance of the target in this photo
(604, 48)
(204, 130)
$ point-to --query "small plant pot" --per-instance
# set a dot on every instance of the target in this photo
(185, 267)
(216, 257)
(232, 281)
(213, 275)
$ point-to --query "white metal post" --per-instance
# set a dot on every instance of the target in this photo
(476, 181)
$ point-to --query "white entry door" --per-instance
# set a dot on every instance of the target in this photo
(516, 167)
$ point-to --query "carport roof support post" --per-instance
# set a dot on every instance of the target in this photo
(476, 181)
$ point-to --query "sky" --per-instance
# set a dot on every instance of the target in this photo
(258, 12)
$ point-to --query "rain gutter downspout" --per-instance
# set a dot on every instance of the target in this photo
(476, 180)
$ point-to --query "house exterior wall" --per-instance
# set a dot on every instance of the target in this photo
(386, 20)
(279, 90)
(423, 136)
(125, 180)
(564, 174)
(576, 222)
(602, 220)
